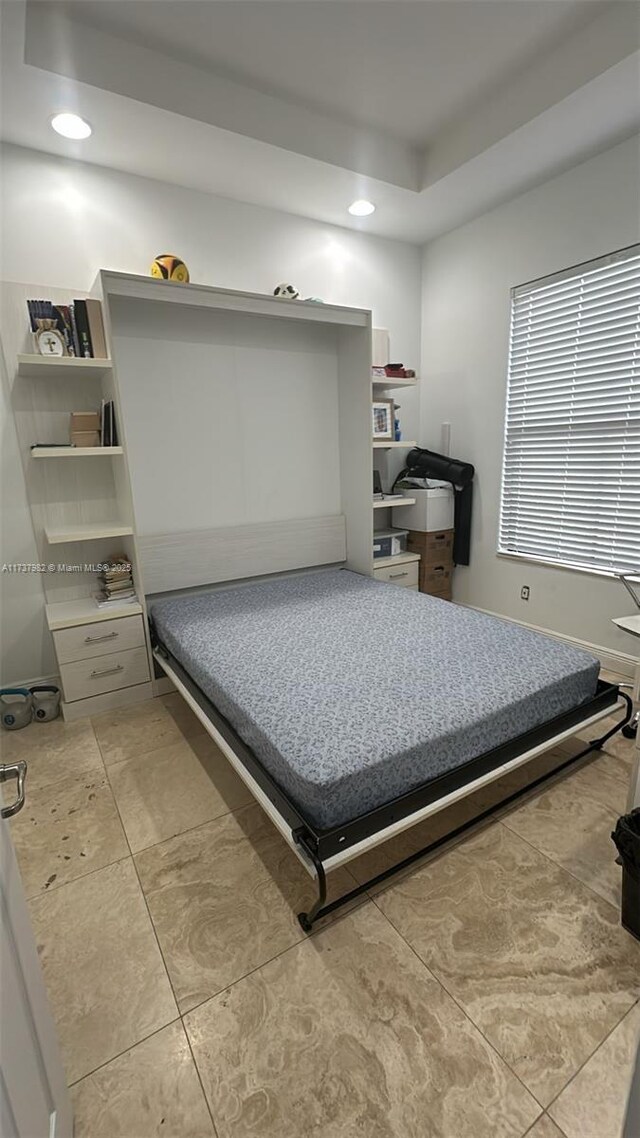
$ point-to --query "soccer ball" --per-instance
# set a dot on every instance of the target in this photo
(287, 290)
(168, 267)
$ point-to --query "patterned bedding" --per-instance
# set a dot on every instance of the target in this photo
(351, 691)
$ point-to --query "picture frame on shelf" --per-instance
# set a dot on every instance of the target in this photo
(382, 420)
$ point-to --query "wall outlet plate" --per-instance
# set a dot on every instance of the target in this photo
(525, 593)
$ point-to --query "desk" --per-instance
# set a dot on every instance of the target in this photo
(631, 624)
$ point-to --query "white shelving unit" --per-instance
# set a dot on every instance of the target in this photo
(71, 614)
(390, 383)
(96, 532)
(82, 513)
(397, 559)
(389, 503)
(59, 367)
(76, 452)
(387, 444)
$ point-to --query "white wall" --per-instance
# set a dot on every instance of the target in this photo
(467, 276)
(62, 221)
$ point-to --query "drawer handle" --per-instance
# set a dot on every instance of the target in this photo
(393, 576)
(106, 671)
(97, 639)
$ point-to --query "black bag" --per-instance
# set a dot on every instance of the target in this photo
(626, 837)
(429, 464)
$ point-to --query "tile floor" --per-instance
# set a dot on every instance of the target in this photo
(488, 993)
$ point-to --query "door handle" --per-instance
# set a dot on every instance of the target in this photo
(98, 639)
(106, 671)
(19, 772)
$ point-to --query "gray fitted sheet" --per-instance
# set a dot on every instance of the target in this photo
(351, 691)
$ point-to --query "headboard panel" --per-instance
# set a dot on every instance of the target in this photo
(204, 557)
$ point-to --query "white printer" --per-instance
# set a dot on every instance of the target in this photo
(433, 509)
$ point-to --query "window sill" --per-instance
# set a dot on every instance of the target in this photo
(585, 569)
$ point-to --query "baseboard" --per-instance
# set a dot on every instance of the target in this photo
(55, 680)
(619, 662)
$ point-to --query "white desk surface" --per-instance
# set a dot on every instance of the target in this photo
(628, 623)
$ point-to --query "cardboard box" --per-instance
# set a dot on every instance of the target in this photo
(85, 421)
(85, 438)
(435, 578)
(434, 548)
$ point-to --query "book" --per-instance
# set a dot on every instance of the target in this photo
(108, 424)
(82, 328)
(63, 317)
(115, 602)
(96, 329)
(74, 331)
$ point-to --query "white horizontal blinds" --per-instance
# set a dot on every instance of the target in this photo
(571, 473)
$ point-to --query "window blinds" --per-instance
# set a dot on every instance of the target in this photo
(571, 471)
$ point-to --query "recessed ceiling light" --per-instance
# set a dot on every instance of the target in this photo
(70, 126)
(361, 208)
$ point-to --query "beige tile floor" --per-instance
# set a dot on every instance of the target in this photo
(488, 993)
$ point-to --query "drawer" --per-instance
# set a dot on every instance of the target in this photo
(88, 640)
(85, 678)
(405, 575)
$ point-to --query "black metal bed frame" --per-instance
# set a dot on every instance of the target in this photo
(320, 845)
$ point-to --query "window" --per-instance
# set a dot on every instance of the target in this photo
(571, 471)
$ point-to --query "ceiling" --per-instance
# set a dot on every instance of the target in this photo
(435, 109)
(402, 68)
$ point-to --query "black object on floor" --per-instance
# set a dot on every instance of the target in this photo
(627, 840)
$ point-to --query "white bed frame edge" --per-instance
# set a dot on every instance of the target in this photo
(396, 828)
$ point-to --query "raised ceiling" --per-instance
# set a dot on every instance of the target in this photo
(402, 68)
(435, 109)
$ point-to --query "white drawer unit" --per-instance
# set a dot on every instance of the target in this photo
(85, 678)
(87, 641)
(405, 574)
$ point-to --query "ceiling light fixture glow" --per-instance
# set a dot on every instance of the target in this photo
(361, 208)
(70, 126)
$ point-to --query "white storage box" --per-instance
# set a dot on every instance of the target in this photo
(433, 510)
(389, 542)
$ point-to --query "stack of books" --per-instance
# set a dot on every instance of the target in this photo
(117, 583)
(80, 324)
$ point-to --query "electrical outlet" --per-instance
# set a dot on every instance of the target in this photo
(525, 593)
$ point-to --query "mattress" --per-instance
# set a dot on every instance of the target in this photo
(351, 692)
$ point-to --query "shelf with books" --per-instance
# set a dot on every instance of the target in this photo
(94, 532)
(75, 452)
(60, 367)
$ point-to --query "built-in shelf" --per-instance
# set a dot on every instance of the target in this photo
(69, 614)
(377, 381)
(386, 444)
(75, 452)
(397, 559)
(60, 367)
(393, 500)
(86, 533)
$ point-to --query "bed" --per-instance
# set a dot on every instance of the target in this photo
(354, 708)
